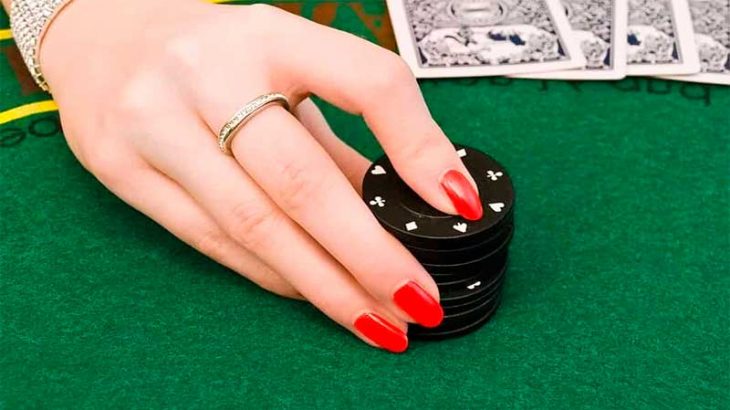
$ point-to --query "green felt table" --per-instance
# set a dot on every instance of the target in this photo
(617, 296)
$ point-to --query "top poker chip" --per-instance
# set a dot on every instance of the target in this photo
(416, 223)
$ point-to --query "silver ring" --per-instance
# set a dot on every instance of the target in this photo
(244, 114)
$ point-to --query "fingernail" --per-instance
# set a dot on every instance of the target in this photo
(419, 305)
(382, 332)
(462, 195)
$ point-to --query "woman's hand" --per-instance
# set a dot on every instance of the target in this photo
(143, 89)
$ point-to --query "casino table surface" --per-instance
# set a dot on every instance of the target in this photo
(617, 296)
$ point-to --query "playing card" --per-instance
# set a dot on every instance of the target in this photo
(465, 38)
(600, 27)
(661, 38)
(711, 22)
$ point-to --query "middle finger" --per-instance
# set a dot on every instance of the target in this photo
(298, 174)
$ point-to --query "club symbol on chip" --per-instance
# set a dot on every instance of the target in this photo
(461, 153)
(378, 170)
(461, 227)
(497, 206)
(494, 175)
(410, 226)
(379, 201)
(474, 285)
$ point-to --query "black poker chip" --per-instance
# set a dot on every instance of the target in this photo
(416, 223)
(467, 259)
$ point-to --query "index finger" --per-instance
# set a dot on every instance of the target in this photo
(365, 79)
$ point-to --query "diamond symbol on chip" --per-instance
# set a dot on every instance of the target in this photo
(410, 226)
(461, 227)
(497, 206)
(461, 153)
(494, 175)
(379, 201)
(378, 170)
(474, 285)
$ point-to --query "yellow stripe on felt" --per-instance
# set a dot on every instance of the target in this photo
(6, 34)
(27, 110)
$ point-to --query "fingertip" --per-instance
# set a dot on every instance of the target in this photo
(381, 332)
(415, 301)
(402, 348)
(463, 194)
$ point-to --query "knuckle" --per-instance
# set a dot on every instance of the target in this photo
(182, 51)
(261, 274)
(263, 10)
(303, 185)
(261, 24)
(132, 107)
(421, 148)
(391, 74)
(252, 224)
(259, 16)
(211, 243)
(104, 164)
(279, 287)
(180, 47)
(135, 112)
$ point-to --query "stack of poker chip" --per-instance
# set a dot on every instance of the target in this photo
(467, 259)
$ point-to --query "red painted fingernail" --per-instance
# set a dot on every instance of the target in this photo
(382, 332)
(419, 305)
(462, 195)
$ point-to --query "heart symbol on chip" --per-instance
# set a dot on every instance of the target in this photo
(378, 170)
(461, 227)
(497, 206)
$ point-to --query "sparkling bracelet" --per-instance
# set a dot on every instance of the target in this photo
(29, 20)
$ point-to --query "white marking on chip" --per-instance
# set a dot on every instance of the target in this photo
(379, 201)
(497, 206)
(494, 175)
(474, 285)
(410, 226)
(461, 153)
(378, 170)
(461, 227)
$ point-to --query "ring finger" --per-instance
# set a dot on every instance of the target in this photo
(189, 155)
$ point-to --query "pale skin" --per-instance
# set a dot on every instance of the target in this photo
(143, 88)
